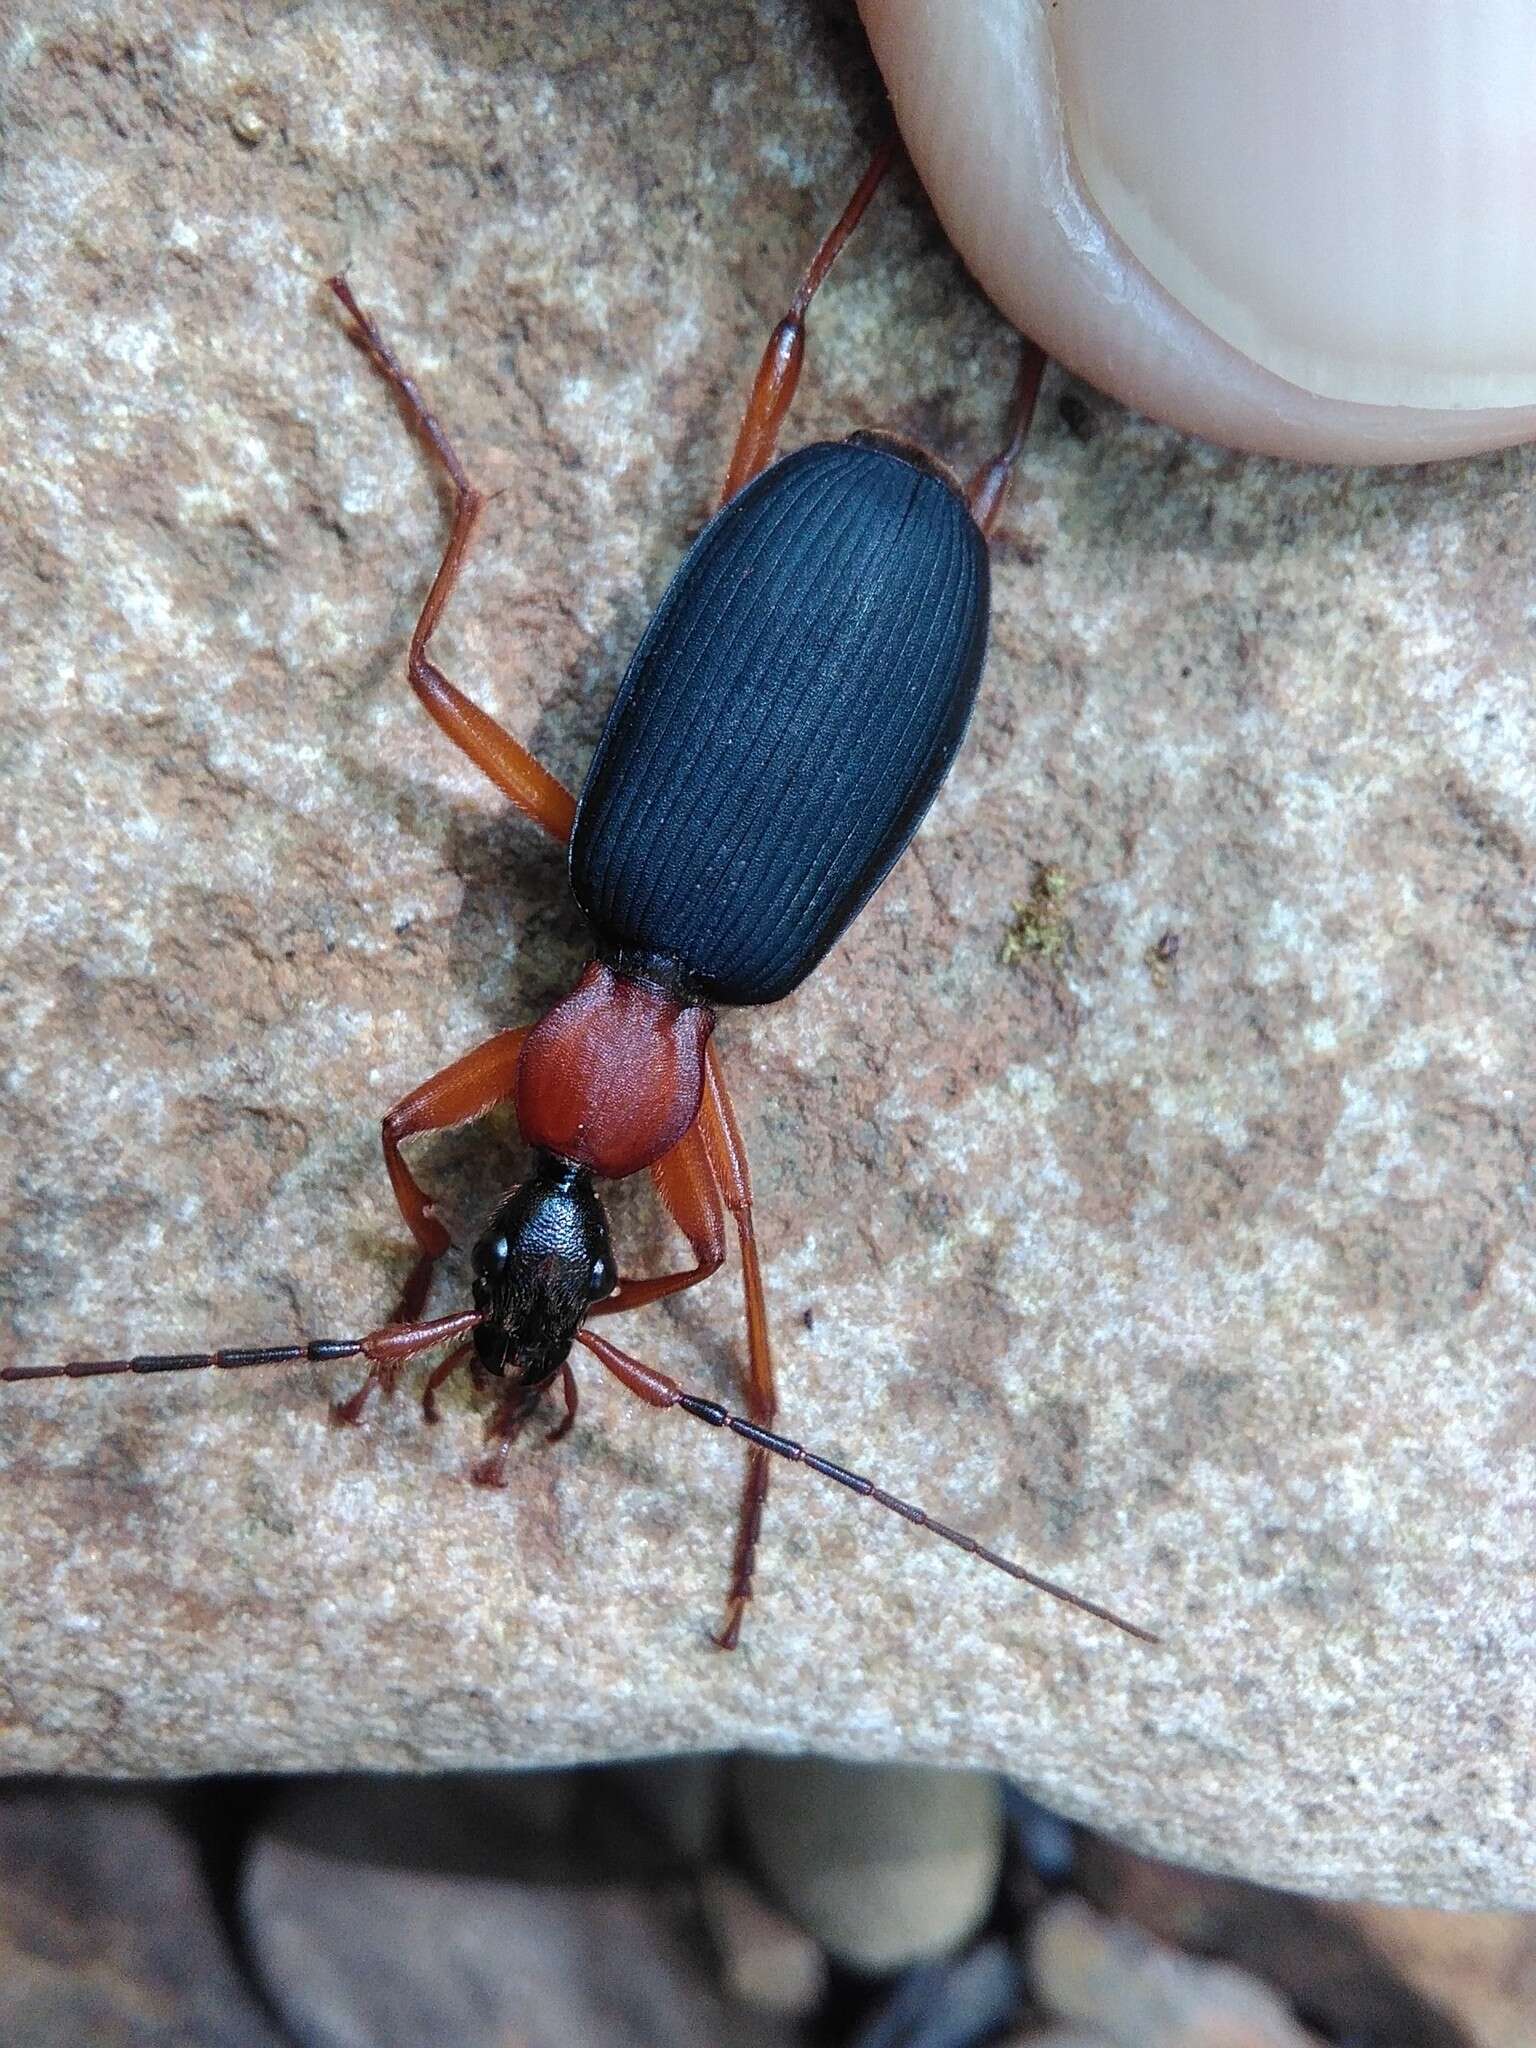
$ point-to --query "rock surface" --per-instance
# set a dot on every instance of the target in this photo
(1199, 1275)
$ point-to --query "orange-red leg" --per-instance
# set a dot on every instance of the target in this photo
(988, 488)
(685, 1182)
(460, 1093)
(505, 760)
(778, 374)
(728, 1160)
(704, 1175)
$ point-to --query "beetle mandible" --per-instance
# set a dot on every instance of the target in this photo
(782, 728)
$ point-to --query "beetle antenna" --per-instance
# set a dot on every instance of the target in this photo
(387, 1346)
(655, 1387)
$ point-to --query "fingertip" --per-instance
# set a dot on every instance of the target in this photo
(1290, 241)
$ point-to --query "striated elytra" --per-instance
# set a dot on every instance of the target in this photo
(787, 719)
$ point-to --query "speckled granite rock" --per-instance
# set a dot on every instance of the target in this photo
(1205, 1282)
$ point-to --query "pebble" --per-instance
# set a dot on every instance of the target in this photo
(1142, 1994)
(107, 1932)
(766, 1960)
(356, 1953)
(956, 2004)
(1059, 2037)
(1046, 1842)
(885, 1864)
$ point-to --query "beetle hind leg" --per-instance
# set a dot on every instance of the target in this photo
(506, 761)
(778, 374)
(988, 488)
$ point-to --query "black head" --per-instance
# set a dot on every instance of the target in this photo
(544, 1259)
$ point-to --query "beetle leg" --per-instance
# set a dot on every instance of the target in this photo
(459, 1094)
(988, 488)
(387, 1351)
(779, 372)
(494, 752)
(685, 1182)
(728, 1160)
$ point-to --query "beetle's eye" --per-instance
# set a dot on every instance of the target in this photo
(602, 1278)
(491, 1255)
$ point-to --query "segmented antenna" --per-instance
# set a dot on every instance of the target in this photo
(320, 1352)
(661, 1392)
(382, 1347)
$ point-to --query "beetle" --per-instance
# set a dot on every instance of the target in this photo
(786, 721)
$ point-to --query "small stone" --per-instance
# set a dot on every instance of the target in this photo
(1143, 1994)
(247, 125)
(384, 1955)
(1045, 1842)
(953, 2004)
(1060, 2037)
(1478, 1967)
(886, 1864)
(1324, 1960)
(107, 1932)
(766, 1961)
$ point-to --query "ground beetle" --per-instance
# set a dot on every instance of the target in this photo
(785, 723)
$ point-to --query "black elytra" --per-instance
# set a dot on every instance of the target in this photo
(787, 719)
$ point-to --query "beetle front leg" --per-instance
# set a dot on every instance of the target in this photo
(460, 1093)
(567, 1422)
(685, 1182)
(503, 1431)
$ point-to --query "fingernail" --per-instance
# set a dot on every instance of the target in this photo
(1291, 225)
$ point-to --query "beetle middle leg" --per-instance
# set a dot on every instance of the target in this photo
(728, 1159)
(508, 763)
(472, 1085)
